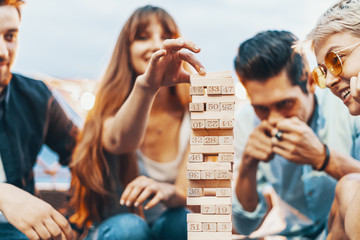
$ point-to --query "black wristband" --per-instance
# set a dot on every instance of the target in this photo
(327, 158)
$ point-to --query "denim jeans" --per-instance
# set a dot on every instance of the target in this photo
(9, 232)
(171, 225)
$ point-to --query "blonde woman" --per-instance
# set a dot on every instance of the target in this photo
(336, 43)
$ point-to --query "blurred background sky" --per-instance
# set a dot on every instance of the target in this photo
(71, 39)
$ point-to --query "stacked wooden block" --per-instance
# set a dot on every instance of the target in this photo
(210, 163)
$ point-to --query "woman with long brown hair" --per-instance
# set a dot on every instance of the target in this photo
(133, 142)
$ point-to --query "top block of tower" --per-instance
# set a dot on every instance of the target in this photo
(220, 79)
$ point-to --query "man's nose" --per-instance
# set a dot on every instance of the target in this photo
(274, 116)
(4, 52)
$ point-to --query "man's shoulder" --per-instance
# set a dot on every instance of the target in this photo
(29, 85)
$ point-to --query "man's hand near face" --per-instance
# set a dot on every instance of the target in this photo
(298, 142)
(258, 148)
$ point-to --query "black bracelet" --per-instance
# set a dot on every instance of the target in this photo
(327, 158)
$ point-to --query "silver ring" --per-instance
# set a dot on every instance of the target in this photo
(278, 135)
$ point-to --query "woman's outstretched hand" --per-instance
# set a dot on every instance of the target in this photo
(166, 65)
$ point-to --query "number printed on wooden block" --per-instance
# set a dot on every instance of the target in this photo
(215, 107)
(211, 123)
(227, 106)
(197, 123)
(223, 192)
(207, 174)
(226, 157)
(195, 157)
(208, 209)
(226, 124)
(196, 140)
(213, 90)
(228, 90)
(224, 227)
(193, 175)
(223, 209)
(195, 227)
(222, 174)
(196, 107)
(209, 227)
(197, 90)
(226, 140)
(194, 192)
(211, 140)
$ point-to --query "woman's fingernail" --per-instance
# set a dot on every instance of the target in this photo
(202, 70)
(128, 203)
(181, 41)
(122, 202)
(196, 47)
(136, 204)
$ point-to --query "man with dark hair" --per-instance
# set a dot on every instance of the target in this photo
(29, 117)
(289, 138)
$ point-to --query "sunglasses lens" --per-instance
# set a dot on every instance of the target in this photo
(333, 63)
(319, 77)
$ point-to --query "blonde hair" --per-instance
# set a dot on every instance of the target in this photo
(344, 16)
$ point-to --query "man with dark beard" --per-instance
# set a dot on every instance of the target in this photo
(29, 117)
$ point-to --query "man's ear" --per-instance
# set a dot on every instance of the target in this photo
(311, 84)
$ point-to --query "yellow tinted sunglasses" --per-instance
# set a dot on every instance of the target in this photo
(332, 63)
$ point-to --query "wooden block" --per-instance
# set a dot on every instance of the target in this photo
(211, 124)
(209, 227)
(212, 149)
(195, 227)
(194, 192)
(197, 90)
(200, 132)
(209, 192)
(207, 209)
(212, 115)
(213, 90)
(220, 74)
(196, 140)
(226, 157)
(224, 227)
(226, 106)
(226, 140)
(208, 201)
(223, 174)
(211, 140)
(213, 98)
(207, 166)
(228, 90)
(214, 107)
(197, 123)
(209, 235)
(212, 82)
(223, 209)
(210, 183)
(208, 174)
(196, 107)
(226, 124)
(197, 217)
(223, 192)
(192, 175)
(195, 157)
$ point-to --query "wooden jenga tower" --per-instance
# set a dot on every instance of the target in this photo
(210, 163)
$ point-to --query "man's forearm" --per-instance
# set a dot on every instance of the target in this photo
(245, 188)
(341, 164)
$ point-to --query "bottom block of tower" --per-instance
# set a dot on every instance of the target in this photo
(209, 235)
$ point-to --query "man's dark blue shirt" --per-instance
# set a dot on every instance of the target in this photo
(30, 116)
